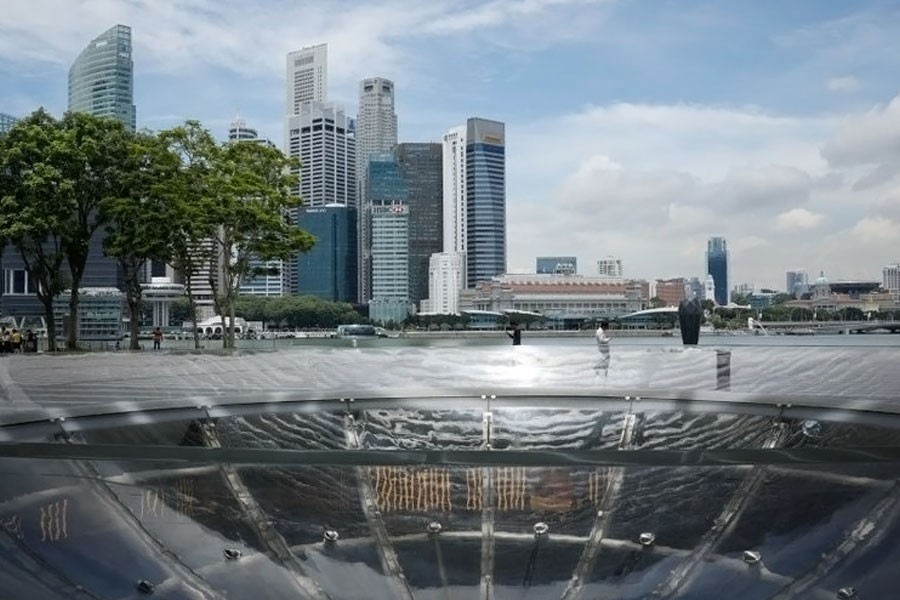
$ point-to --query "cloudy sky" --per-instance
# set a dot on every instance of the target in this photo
(635, 128)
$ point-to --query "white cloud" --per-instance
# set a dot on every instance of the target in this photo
(798, 219)
(876, 230)
(842, 84)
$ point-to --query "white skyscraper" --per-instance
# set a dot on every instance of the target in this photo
(609, 267)
(376, 133)
(455, 190)
(891, 274)
(321, 136)
(307, 77)
(445, 271)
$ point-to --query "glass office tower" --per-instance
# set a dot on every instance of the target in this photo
(101, 80)
(717, 266)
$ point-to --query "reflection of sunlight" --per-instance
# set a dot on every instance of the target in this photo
(521, 367)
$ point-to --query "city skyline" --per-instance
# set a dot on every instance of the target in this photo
(664, 129)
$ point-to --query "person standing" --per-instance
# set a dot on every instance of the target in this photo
(157, 338)
(514, 331)
(603, 343)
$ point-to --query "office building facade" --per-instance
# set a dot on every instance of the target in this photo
(307, 77)
(7, 122)
(390, 263)
(556, 265)
(101, 80)
(376, 133)
(796, 283)
(717, 267)
(609, 266)
(328, 271)
(891, 278)
(445, 273)
(475, 198)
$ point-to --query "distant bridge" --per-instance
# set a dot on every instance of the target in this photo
(844, 327)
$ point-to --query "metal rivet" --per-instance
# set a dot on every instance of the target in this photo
(434, 527)
(232, 553)
(647, 539)
(812, 428)
(751, 557)
(541, 528)
(331, 535)
(599, 514)
(144, 586)
(845, 593)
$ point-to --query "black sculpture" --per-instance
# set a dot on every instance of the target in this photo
(690, 314)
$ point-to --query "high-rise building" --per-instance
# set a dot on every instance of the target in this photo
(307, 77)
(475, 198)
(376, 133)
(328, 271)
(239, 132)
(796, 283)
(6, 122)
(717, 266)
(709, 289)
(556, 265)
(410, 175)
(101, 80)
(321, 136)
(390, 263)
(609, 266)
(445, 272)
(891, 276)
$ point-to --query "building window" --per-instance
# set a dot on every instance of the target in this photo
(17, 282)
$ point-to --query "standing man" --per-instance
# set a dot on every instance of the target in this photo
(157, 338)
(515, 332)
(603, 344)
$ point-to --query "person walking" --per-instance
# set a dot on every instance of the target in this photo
(157, 338)
(603, 344)
(514, 331)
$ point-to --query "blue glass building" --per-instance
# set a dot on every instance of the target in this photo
(717, 266)
(6, 122)
(411, 175)
(101, 80)
(485, 200)
(328, 271)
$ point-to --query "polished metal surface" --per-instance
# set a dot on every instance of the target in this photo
(451, 472)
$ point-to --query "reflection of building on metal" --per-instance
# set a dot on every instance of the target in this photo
(509, 483)
(184, 496)
(399, 488)
(552, 490)
(596, 487)
(474, 489)
(152, 503)
(53, 521)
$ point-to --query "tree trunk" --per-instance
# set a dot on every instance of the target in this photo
(51, 323)
(193, 305)
(72, 337)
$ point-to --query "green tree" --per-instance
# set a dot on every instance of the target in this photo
(657, 302)
(31, 181)
(89, 157)
(187, 192)
(135, 233)
(251, 192)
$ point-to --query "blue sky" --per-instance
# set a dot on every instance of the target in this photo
(635, 128)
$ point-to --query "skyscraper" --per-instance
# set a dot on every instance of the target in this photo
(329, 269)
(101, 80)
(376, 133)
(6, 122)
(891, 277)
(475, 198)
(307, 77)
(390, 263)
(796, 283)
(609, 267)
(717, 266)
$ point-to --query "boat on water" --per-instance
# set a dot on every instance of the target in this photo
(356, 330)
